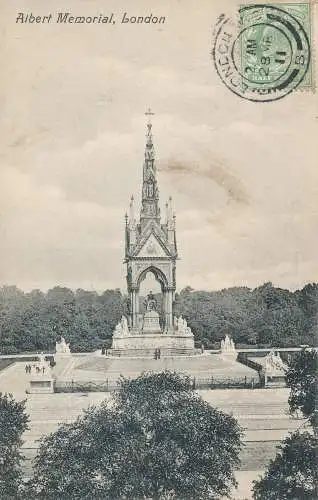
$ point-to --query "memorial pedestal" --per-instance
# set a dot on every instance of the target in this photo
(151, 322)
(143, 342)
(153, 341)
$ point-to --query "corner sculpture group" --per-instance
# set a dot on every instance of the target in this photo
(180, 327)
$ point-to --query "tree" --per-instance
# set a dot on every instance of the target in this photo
(13, 422)
(302, 378)
(293, 473)
(110, 308)
(155, 439)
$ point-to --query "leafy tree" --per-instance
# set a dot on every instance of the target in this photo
(302, 378)
(111, 305)
(293, 474)
(155, 439)
(13, 422)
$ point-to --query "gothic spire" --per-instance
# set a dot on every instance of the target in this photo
(150, 194)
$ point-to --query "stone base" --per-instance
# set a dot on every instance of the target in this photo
(275, 381)
(150, 342)
(41, 385)
(230, 355)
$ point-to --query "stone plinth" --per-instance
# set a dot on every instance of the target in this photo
(151, 322)
(153, 341)
(41, 383)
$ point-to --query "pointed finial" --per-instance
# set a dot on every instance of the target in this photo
(170, 215)
(167, 213)
(169, 204)
(131, 211)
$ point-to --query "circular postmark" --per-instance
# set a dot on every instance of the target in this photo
(264, 56)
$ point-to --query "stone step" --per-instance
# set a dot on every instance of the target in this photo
(150, 353)
(254, 455)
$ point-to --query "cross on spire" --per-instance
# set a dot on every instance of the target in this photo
(149, 113)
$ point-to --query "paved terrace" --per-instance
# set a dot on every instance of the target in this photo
(205, 366)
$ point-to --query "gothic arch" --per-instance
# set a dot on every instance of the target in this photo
(158, 274)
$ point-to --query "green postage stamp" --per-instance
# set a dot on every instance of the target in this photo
(266, 53)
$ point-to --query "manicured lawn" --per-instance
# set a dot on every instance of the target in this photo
(5, 362)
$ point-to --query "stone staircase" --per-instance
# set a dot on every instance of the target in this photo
(255, 455)
(150, 353)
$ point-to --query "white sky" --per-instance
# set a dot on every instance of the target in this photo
(243, 175)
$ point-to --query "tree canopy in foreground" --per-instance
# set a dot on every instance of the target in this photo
(302, 378)
(13, 422)
(293, 474)
(156, 438)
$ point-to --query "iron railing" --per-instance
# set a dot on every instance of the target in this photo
(109, 385)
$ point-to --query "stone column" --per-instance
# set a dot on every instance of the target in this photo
(165, 308)
(169, 309)
(137, 307)
(131, 296)
(133, 308)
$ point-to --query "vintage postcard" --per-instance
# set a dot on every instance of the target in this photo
(159, 269)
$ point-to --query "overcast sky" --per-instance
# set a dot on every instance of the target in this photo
(243, 175)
